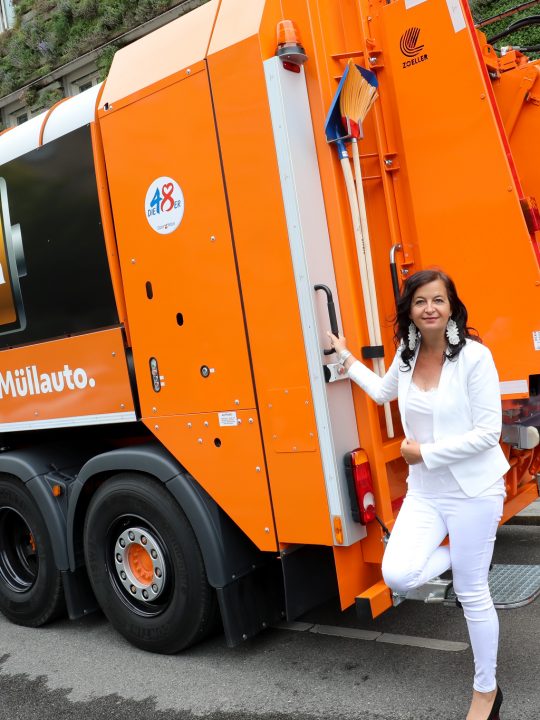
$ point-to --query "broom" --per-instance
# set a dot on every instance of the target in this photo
(358, 93)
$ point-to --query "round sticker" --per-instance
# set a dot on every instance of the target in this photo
(164, 205)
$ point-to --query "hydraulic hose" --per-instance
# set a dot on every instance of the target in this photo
(517, 25)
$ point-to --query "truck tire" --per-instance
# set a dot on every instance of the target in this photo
(31, 591)
(145, 565)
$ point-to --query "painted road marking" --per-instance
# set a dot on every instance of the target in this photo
(371, 635)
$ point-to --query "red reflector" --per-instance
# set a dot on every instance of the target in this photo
(531, 213)
(292, 67)
(363, 486)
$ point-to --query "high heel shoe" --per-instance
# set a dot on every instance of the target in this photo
(494, 714)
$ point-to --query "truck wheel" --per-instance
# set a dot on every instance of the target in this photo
(145, 565)
(30, 584)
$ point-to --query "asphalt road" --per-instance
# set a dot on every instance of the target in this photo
(85, 670)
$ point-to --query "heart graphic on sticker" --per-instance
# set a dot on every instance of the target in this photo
(164, 200)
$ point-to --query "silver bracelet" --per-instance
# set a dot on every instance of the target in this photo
(343, 355)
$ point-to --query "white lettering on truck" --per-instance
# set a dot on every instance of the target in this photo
(29, 381)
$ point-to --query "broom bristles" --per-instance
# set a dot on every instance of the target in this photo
(357, 95)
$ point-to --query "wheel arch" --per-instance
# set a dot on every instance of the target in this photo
(227, 552)
(30, 466)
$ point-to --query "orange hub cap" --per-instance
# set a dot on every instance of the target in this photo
(140, 563)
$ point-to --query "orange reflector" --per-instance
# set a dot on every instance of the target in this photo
(56, 490)
(338, 529)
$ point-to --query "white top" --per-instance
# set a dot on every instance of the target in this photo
(467, 414)
(437, 481)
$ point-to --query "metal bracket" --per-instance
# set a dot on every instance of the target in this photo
(524, 437)
(434, 591)
(334, 372)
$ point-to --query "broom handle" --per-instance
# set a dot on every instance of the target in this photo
(353, 203)
(366, 245)
(366, 259)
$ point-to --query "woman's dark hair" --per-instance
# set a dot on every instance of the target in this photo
(459, 314)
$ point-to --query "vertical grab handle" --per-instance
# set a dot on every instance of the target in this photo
(331, 313)
(394, 272)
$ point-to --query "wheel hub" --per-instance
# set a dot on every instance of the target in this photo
(140, 564)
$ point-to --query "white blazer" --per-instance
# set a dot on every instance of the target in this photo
(467, 415)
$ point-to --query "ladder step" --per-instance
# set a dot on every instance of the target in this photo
(511, 586)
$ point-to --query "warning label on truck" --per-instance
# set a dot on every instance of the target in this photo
(536, 339)
(228, 419)
(164, 205)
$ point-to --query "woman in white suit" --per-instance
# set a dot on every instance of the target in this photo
(448, 394)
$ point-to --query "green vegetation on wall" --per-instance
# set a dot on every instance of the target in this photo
(49, 34)
(525, 37)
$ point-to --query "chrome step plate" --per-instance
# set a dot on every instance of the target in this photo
(511, 586)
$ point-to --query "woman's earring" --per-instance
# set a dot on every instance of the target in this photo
(413, 336)
(452, 332)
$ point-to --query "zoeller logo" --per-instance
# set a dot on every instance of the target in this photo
(409, 46)
(29, 381)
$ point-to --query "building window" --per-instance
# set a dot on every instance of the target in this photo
(83, 80)
(7, 15)
(17, 114)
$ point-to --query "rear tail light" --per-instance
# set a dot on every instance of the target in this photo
(360, 485)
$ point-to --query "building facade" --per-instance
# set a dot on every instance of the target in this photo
(51, 50)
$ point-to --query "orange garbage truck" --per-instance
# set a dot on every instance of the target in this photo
(178, 445)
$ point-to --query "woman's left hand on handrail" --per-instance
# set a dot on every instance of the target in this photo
(338, 343)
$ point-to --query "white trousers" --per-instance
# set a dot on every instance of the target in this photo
(414, 555)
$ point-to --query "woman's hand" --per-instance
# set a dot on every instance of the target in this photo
(337, 343)
(410, 452)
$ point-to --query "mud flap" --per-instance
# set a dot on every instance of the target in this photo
(252, 603)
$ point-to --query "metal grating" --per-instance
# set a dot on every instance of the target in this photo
(511, 586)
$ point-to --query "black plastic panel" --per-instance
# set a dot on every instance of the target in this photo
(310, 578)
(65, 282)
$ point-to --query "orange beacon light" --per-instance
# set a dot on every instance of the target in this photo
(289, 44)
